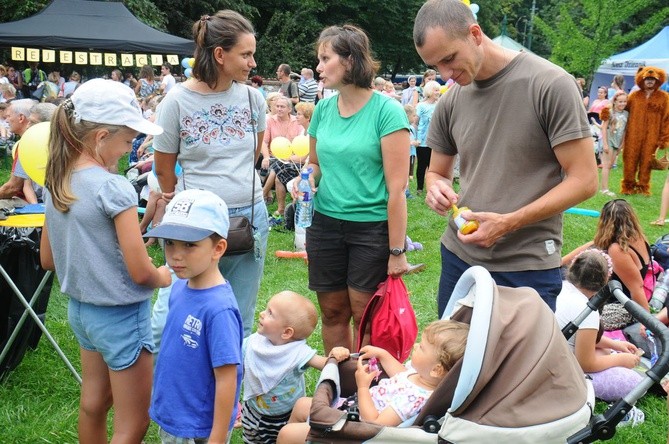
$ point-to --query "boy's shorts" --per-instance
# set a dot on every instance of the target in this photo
(166, 438)
(259, 428)
(346, 254)
(118, 333)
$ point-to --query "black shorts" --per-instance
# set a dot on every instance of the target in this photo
(346, 254)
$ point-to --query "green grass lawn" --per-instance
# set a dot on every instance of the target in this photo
(39, 400)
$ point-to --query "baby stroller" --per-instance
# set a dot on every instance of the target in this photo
(517, 382)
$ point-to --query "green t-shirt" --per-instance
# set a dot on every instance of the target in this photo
(352, 185)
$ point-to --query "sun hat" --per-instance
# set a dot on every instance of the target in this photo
(111, 103)
(193, 215)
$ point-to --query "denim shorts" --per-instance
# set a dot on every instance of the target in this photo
(346, 254)
(118, 333)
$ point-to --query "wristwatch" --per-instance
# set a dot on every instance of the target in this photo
(397, 251)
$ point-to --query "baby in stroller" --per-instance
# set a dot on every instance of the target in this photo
(402, 395)
(517, 381)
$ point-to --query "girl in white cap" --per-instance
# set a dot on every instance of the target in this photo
(92, 239)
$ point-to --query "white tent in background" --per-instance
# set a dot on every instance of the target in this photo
(654, 52)
(507, 42)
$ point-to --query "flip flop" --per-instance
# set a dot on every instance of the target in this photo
(416, 268)
(658, 223)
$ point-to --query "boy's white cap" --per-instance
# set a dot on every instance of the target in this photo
(111, 103)
(193, 215)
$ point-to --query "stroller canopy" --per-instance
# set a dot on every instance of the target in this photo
(517, 370)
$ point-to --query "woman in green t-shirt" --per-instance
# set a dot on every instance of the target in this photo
(360, 158)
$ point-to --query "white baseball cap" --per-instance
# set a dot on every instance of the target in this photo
(111, 103)
(193, 215)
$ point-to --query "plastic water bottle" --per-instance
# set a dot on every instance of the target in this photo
(659, 293)
(304, 209)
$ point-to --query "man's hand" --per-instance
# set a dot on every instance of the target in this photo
(492, 227)
(440, 197)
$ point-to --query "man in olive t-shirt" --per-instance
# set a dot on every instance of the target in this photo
(518, 124)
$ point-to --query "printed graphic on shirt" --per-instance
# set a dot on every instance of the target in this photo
(192, 326)
(217, 125)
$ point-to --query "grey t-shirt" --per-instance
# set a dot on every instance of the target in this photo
(213, 137)
(20, 172)
(504, 129)
(86, 252)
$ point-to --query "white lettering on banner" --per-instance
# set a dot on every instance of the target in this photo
(32, 55)
(48, 55)
(96, 58)
(92, 58)
(18, 54)
(127, 60)
(80, 58)
(66, 57)
(110, 59)
(141, 60)
(628, 64)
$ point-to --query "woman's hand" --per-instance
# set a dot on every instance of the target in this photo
(265, 163)
(397, 265)
(167, 197)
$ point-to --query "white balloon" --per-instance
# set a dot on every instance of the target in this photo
(474, 7)
(152, 182)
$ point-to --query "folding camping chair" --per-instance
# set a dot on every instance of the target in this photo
(17, 223)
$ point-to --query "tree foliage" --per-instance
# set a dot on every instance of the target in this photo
(576, 34)
(585, 32)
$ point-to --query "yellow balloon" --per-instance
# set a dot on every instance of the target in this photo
(280, 147)
(34, 151)
(443, 89)
(466, 2)
(191, 62)
(300, 145)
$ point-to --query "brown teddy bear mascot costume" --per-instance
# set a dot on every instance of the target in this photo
(647, 129)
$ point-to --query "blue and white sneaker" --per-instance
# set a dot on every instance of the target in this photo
(633, 418)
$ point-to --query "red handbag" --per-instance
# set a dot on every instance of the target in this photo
(391, 318)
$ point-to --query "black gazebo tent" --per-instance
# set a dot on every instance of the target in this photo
(90, 25)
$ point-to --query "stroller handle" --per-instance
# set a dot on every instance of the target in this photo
(594, 303)
(659, 330)
(603, 426)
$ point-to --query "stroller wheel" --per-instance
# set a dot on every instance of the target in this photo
(431, 424)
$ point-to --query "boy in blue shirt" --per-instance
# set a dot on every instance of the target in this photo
(199, 369)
